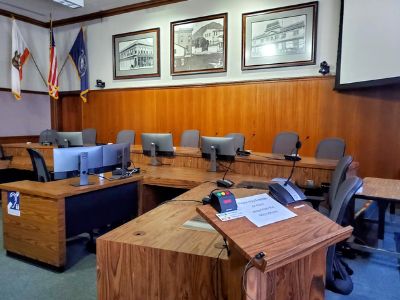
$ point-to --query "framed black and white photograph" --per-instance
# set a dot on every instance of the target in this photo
(199, 45)
(279, 37)
(137, 54)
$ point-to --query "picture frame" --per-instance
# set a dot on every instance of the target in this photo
(280, 37)
(199, 45)
(136, 54)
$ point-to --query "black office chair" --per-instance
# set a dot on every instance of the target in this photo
(285, 142)
(338, 273)
(2, 156)
(331, 148)
(89, 136)
(39, 166)
(190, 138)
(48, 136)
(239, 140)
(126, 136)
(338, 176)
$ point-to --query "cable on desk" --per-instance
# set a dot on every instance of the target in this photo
(181, 200)
(216, 270)
(101, 176)
(248, 266)
(268, 157)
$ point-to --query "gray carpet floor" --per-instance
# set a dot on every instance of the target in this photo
(375, 276)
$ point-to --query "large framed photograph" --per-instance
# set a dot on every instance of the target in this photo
(137, 54)
(280, 37)
(199, 45)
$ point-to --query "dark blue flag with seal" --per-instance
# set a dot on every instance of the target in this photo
(78, 54)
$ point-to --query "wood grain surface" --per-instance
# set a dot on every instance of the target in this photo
(154, 257)
(63, 188)
(380, 188)
(282, 242)
(258, 164)
(367, 120)
(39, 233)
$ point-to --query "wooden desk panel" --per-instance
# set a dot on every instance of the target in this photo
(380, 189)
(133, 260)
(39, 232)
(258, 164)
(154, 257)
(20, 157)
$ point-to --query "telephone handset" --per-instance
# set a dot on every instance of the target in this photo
(286, 193)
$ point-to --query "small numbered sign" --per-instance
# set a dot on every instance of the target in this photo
(13, 204)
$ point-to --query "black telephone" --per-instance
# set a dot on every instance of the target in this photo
(286, 193)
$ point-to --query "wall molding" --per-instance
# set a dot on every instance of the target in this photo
(216, 84)
(92, 16)
(25, 91)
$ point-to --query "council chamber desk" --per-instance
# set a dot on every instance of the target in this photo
(156, 257)
(51, 212)
(265, 165)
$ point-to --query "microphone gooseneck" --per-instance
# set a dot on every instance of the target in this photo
(298, 146)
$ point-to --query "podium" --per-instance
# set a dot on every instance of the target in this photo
(295, 261)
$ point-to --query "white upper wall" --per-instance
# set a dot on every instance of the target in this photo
(99, 42)
(37, 40)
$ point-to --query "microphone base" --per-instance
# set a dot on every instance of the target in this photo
(292, 157)
(224, 183)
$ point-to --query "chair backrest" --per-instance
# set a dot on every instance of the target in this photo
(126, 136)
(344, 195)
(89, 136)
(331, 148)
(285, 142)
(190, 138)
(39, 166)
(48, 136)
(338, 278)
(338, 176)
(238, 140)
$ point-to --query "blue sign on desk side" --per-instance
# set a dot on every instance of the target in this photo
(13, 200)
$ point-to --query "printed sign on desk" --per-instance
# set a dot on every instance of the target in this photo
(13, 204)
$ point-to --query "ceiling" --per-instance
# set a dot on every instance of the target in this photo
(41, 9)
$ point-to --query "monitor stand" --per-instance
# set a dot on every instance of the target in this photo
(153, 158)
(213, 160)
(83, 170)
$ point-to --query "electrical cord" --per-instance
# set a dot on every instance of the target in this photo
(248, 266)
(216, 270)
(101, 176)
(181, 200)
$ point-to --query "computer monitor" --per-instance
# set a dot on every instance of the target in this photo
(157, 144)
(70, 139)
(69, 161)
(221, 148)
(116, 156)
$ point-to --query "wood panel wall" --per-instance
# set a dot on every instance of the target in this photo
(368, 120)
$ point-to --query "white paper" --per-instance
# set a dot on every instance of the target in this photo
(263, 210)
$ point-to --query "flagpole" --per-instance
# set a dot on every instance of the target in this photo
(59, 73)
(41, 75)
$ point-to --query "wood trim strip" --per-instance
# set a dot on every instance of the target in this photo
(202, 85)
(92, 16)
(19, 17)
(114, 11)
(25, 91)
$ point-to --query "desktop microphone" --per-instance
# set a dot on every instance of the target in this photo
(295, 158)
(226, 182)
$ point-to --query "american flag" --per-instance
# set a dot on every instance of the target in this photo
(53, 71)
